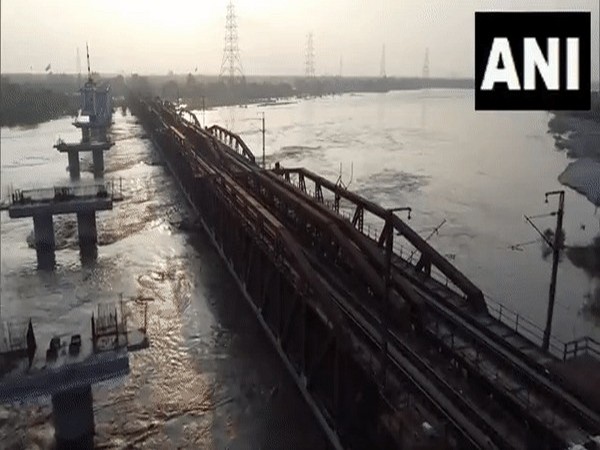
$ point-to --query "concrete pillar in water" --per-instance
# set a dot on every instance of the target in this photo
(74, 164)
(88, 237)
(86, 228)
(43, 231)
(98, 159)
(73, 414)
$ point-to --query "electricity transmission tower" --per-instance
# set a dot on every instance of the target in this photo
(231, 65)
(310, 57)
(425, 75)
(382, 73)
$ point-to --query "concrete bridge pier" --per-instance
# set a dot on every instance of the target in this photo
(43, 231)
(100, 134)
(98, 160)
(86, 228)
(88, 236)
(73, 415)
(74, 170)
(85, 134)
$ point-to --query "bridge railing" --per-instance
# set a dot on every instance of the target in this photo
(109, 327)
(528, 329)
(17, 340)
(523, 326)
(13, 336)
(65, 193)
(582, 346)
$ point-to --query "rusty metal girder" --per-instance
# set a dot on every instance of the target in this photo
(431, 256)
(270, 189)
(235, 141)
(244, 211)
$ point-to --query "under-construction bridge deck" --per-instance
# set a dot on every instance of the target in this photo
(390, 349)
(63, 199)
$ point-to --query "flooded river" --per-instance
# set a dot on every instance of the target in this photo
(210, 378)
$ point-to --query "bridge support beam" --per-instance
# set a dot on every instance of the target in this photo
(43, 231)
(74, 170)
(98, 160)
(73, 414)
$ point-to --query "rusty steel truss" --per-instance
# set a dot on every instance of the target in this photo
(385, 354)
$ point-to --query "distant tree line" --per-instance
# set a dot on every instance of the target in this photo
(221, 92)
(196, 91)
(34, 98)
(25, 105)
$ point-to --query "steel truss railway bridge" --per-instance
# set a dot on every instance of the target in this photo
(388, 342)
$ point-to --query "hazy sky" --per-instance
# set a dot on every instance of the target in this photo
(155, 36)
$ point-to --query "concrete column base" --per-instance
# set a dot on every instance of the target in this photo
(74, 170)
(88, 237)
(73, 414)
(86, 228)
(102, 136)
(98, 160)
(43, 230)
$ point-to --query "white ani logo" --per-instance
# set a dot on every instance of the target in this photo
(533, 58)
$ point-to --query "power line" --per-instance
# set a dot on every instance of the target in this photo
(231, 65)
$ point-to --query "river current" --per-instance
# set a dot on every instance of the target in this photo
(210, 378)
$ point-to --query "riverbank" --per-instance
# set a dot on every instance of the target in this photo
(578, 133)
(29, 99)
(26, 105)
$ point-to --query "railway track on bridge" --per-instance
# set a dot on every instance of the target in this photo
(508, 375)
(482, 391)
(504, 373)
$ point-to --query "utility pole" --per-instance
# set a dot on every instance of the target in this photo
(555, 257)
(385, 307)
(262, 130)
(263, 140)
(203, 112)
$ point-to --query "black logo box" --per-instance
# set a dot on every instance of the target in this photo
(541, 25)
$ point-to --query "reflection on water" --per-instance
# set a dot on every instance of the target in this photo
(210, 379)
(424, 97)
(587, 258)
